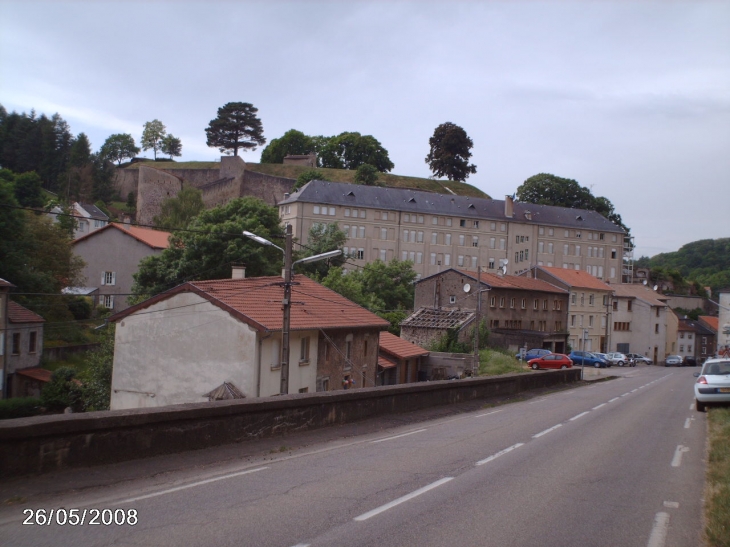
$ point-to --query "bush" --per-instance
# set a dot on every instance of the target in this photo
(62, 391)
(21, 407)
(80, 307)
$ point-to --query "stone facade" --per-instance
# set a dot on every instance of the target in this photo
(155, 186)
(335, 369)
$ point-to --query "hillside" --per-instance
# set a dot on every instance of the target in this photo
(335, 175)
(706, 261)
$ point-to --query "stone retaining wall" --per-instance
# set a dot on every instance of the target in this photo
(48, 443)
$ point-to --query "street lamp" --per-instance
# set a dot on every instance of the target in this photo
(286, 302)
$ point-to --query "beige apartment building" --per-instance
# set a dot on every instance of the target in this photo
(638, 321)
(440, 231)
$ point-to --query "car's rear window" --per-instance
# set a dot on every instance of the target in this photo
(717, 368)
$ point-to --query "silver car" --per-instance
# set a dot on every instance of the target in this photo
(619, 359)
(713, 383)
(673, 361)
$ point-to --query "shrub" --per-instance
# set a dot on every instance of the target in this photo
(21, 407)
(62, 391)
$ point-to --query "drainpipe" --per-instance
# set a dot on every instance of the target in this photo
(258, 371)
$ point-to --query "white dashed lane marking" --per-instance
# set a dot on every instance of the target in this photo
(579, 416)
(659, 531)
(500, 453)
(677, 459)
(397, 436)
(553, 428)
(402, 499)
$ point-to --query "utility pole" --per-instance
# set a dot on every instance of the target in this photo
(475, 364)
(286, 307)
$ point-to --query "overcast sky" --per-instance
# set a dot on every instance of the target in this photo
(629, 98)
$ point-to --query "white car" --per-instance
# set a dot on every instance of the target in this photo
(713, 383)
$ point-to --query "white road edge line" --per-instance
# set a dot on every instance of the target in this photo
(614, 399)
(691, 407)
(192, 485)
(403, 499)
(579, 416)
(659, 531)
(599, 406)
(487, 414)
(677, 459)
(397, 436)
(498, 454)
(553, 428)
(687, 422)
(302, 545)
(537, 401)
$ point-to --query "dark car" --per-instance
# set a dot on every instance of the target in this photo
(534, 354)
(588, 359)
(551, 360)
(689, 361)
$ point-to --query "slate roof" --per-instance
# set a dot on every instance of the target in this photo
(94, 211)
(157, 239)
(640, 292)
(19, 314)
(402, 349)
(419, 201)
(257, 302)
(576, 278)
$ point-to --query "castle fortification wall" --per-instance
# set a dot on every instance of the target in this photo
(155, 186)
(268, 188)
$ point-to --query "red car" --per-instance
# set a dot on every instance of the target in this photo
(552, 360)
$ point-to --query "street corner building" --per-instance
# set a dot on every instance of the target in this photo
(205, 340)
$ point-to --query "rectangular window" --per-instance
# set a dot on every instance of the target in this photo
(404, 255)
(108, 301)
(461, 240)
(591, 299)
(382, 255)
(577, 250)
(419, 237)
(434, 220)
(412, 256)
(419, 258)
(524, 303)
(492, 243)
(473, 263)
(16, 344)
(361, 232)
(347, 212)
(361, 254)
(493, 226)
(434, 238)
(656, 328)
(32, 342)
(108, 278)
(304, 350)
(448, 239)
(502, 227)
(565, 250)
(501, 301)
(406, 235)
(492, 301)
(447, 260)
(512, 303)
(502, 244)
(420, 219)
(536, 304)
(448, 222)
(452, 299)
(433, 259)
(491, 263)
(476, 224)
(462, 223)
(572, 320)
(545, 304)
(384, 215)
(384, 233)
(475, 241)
(363, 213)
(316, 211)
(590, 320)
(550, 248)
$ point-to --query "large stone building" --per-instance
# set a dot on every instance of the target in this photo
(638, 321)
(519, 311)
(589, 304)
(438, 231)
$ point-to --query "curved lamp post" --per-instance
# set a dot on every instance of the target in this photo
(286, 302)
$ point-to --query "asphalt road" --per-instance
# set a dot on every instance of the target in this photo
(617, 463)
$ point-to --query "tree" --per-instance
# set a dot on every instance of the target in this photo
(350, 150)
(28, 189)
(152, 135)
(236, 126)
(366, 174)
(62, 391)
(450, 153)
(97, 375)
(119, 147)
(547, 189)
(176, 213)
(384, 288)
(322, 239)
(308, 175)
(211, 244)
(78, 181)
(293, 142)
(172, 146)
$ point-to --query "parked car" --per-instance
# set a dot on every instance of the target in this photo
(638, 358)
(534, 354)
(620, 359)
(689, 361)
(587, 358)
(673, 361)
(551, 360)
(713, 383)
(603, 356)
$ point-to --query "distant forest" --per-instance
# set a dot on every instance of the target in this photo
(703, 263)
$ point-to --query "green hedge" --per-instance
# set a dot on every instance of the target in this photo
(19, 408)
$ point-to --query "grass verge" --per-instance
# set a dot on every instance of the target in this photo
(717, 503)
(493, 363)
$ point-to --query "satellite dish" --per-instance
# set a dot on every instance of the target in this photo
(656, 287)
(467, 287)
(644, 282)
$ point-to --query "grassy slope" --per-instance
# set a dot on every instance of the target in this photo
(717, 494)
(336, 175)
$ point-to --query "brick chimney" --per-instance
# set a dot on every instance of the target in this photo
(509, 206)
(238, 271)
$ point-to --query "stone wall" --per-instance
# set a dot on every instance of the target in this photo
(155, 186)
(268, 188)
(44, 444)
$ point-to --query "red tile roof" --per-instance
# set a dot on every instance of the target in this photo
(157, 239)
(384, 362)
(19, 314)
(40, 374)
(711, 321)
(257, 302)
(514, 282)
(402, 349)
(577, 278)
(4, 283)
